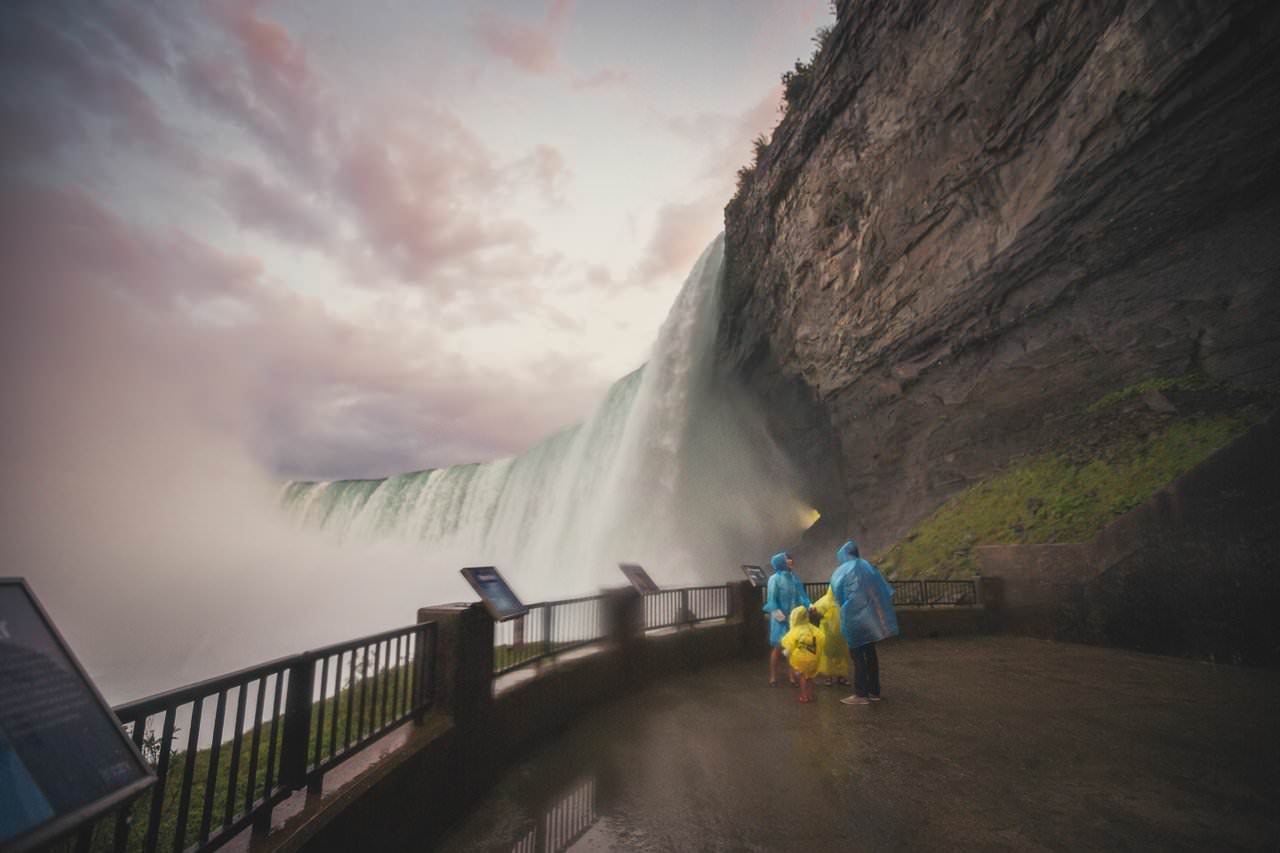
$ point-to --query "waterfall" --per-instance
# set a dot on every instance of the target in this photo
(620, 487)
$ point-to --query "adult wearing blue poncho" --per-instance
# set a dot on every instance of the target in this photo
(786, 593)
(865, 599)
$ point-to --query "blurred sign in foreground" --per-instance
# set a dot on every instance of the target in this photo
(64, 760)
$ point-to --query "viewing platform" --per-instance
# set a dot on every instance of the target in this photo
(981, 743)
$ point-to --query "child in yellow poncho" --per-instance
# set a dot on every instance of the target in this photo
(802, 645)
(833, 658)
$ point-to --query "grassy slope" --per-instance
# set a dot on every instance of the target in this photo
(361, 724)
(1125, 452)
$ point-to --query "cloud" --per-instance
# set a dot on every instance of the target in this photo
(274, 208)
(680, 234)
(310, 392)
(682, 228)
(534, 48)
(546, 168)
(603, 79)
(67, 72)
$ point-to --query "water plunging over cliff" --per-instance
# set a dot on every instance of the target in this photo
(671, 471)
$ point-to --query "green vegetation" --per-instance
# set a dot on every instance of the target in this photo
(1190, 382)
(361, 719)
(1120, 457)
(797, 83)
(510, 655)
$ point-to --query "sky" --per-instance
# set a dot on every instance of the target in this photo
(354, 239)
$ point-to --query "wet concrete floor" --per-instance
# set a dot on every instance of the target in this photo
(985, 743)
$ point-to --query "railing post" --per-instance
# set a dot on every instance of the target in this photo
(546, 630)
(296, 731)
(745, 606)
(622, 612)
(463, 660)
(424, 671)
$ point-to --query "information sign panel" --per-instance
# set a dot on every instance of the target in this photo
(64, 759)
(639, 578)
(755, 574)
(499, 600)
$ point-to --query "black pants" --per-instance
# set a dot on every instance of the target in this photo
(866, 670)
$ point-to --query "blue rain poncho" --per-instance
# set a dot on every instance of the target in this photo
(786, 593)
(865, 599)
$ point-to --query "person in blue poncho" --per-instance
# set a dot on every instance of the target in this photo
(865, 600)
(786, 593)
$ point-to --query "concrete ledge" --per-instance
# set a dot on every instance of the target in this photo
(418, 791)
(935, 622)
(388, 796)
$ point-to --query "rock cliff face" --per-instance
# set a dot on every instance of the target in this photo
(985, 216)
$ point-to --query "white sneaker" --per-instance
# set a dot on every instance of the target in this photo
(855, 700)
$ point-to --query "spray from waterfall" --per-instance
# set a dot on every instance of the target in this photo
(673, 470)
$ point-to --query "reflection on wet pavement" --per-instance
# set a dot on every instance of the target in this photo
(562, 824)
(995, 743)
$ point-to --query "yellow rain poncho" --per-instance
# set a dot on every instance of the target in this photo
(803, 643)
(833, 657)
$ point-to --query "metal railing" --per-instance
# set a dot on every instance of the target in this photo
(672, 608)
(916, 593)
(933, 593)
(281, 726)
(548, 629)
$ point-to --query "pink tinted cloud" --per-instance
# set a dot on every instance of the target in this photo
(58, 236)
(534, 48)
(603, 79)
(408, 206)
(273, 208)
(682, 232)
(309, 392)
(684, 228)
(548, 169)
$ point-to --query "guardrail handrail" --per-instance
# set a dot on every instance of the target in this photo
(920, 592)
(295, 730)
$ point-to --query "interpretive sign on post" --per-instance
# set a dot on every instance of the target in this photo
(499, 600)
(639, 578)
(64, 760)
(756, 575)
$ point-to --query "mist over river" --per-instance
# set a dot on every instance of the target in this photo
(167, 555)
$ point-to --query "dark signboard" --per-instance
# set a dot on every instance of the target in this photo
(639, 578)
(64, 759)
(756, 575)
(497, 596)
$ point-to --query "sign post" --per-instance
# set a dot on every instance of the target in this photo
(756, 575)
(64, 760)
(501, 602)
(639, 578)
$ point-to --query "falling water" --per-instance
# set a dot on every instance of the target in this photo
(623, 486)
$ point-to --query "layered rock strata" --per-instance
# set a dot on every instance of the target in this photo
(983, 217)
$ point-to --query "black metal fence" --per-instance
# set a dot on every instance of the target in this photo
(555, 627)
(548, 629)
(926, 593)
(277, 727)
(916, 593)
(672, 608)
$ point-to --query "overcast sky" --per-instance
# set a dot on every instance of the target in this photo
(362, 238)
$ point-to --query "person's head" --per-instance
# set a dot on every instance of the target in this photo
(791, 563)
(848, 551)
(815, 616)
(781, 562)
